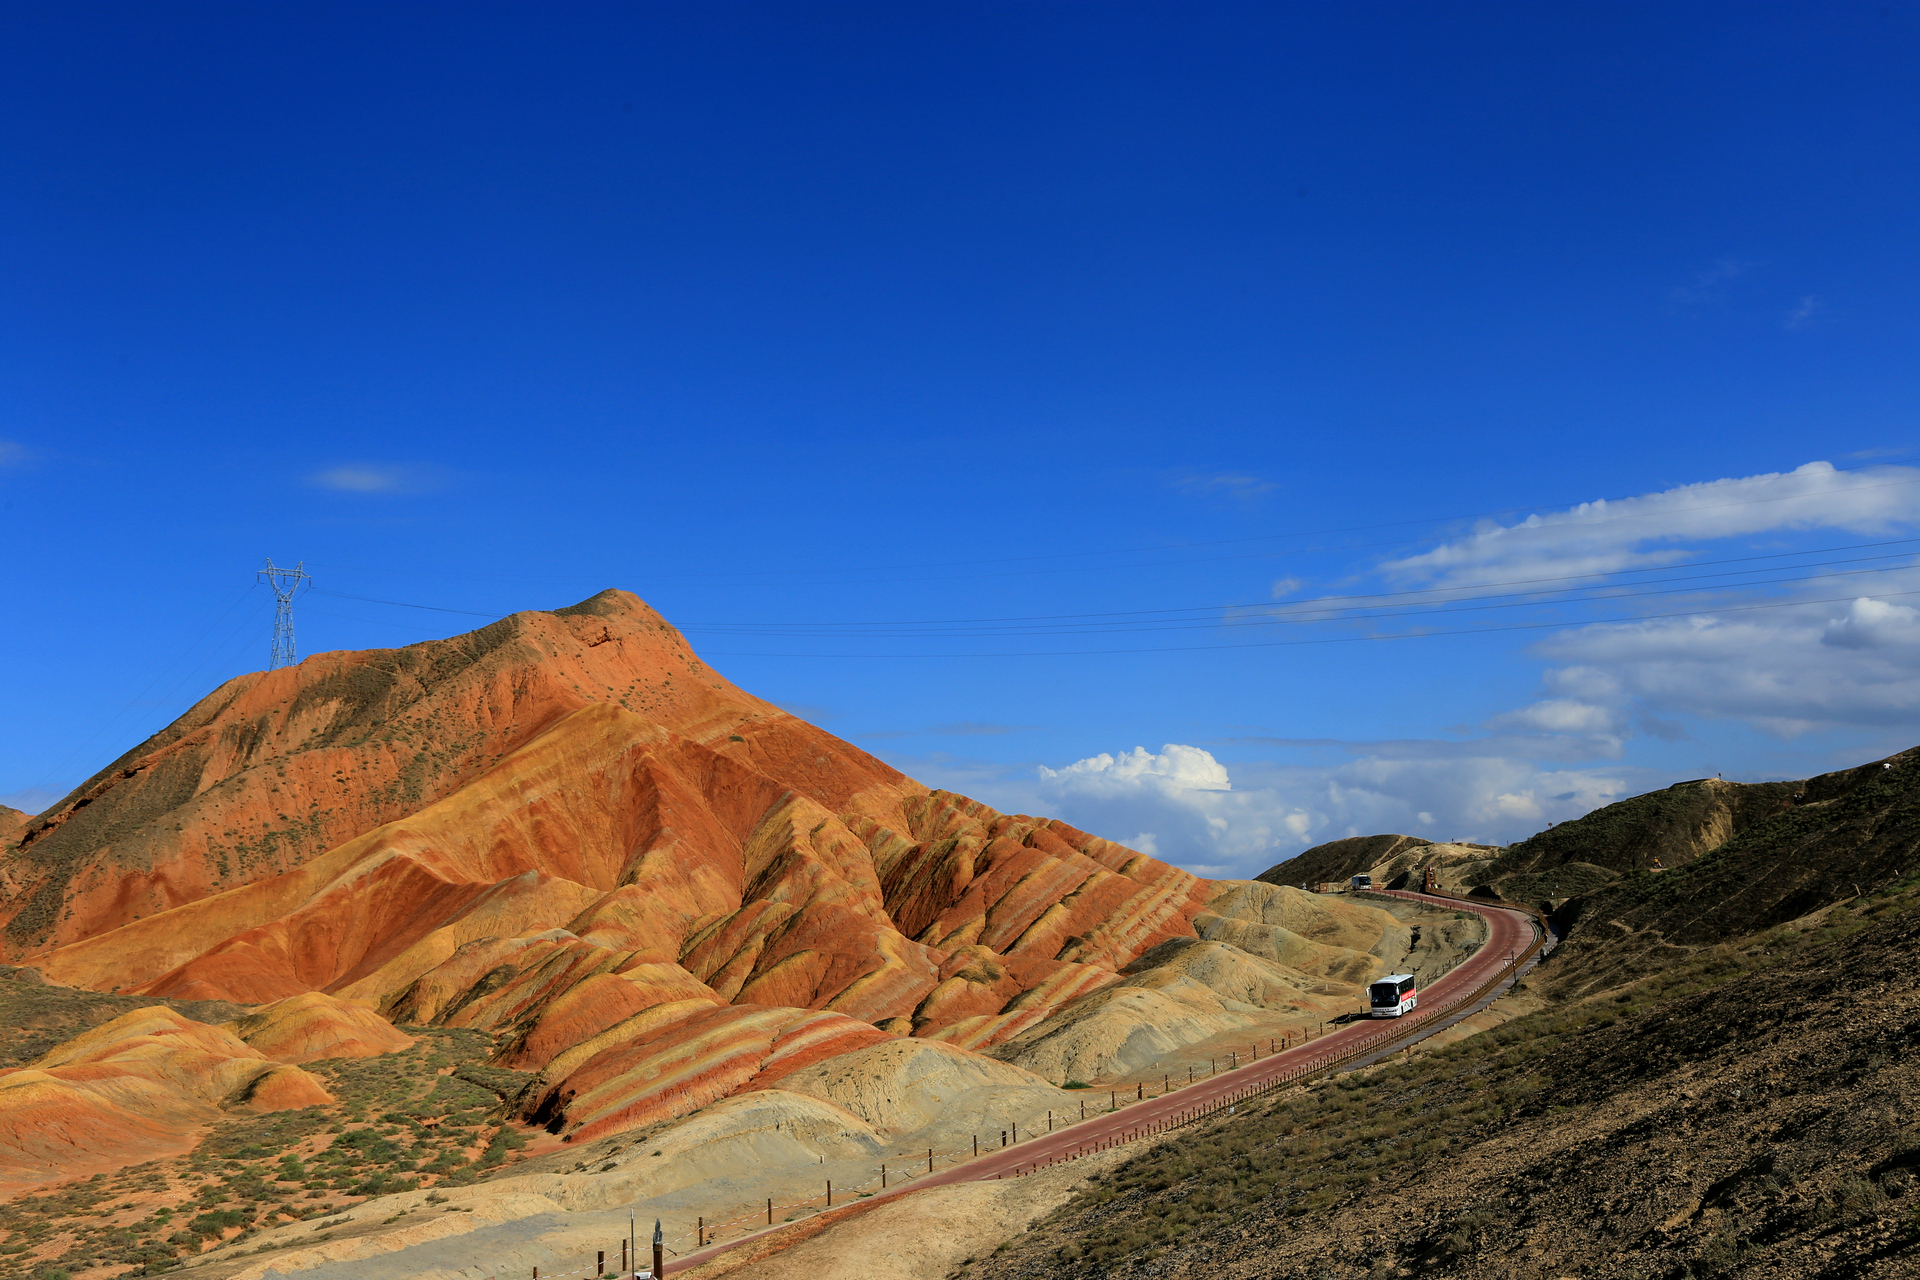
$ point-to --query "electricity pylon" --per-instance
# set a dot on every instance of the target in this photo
(284, 583)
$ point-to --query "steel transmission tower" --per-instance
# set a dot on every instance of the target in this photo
(284, 583)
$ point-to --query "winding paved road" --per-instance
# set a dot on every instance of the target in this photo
(1510, 933)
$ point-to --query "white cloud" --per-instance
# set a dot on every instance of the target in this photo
(378, 477)
(1804, 313)
(1179, 800)
(1469, 793)
(1228, 484)
(1176, 767)
(1709, 286)
(1786, 671)
(360, 479)
(1604, 537)
(1798, 663)
(1874, 624)
(1183, 806)
(1560, 716)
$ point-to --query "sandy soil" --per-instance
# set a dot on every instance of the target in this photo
(923, 1236)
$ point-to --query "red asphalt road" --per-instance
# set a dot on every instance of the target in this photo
(1509, 932)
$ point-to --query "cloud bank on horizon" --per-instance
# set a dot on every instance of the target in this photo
(1822, 646)
(1180, 804)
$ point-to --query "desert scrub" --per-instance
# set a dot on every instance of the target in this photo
(397, 1125)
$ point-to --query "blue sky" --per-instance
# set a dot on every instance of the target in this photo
(1255, 361)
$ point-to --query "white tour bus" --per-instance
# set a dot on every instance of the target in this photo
(1393, 995)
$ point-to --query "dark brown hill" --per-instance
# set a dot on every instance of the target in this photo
(1855, 831)
(1671, 826)
(1747, 1114)
(1338, 859)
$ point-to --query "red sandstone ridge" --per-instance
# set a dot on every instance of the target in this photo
(565, 829)
(275, 768)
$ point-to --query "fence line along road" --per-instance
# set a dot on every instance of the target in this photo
(1515, 935)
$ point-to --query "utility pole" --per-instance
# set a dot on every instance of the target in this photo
(284, 583)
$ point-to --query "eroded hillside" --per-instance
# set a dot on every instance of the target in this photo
(656, 903)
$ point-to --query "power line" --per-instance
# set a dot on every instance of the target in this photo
(1412, 610)
(1319, 604)
(1285, 610)
(113, 721)
(472, 613)
(1284, 644)
(709, 575)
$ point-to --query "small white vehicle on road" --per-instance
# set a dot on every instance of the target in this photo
(1392, 996)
